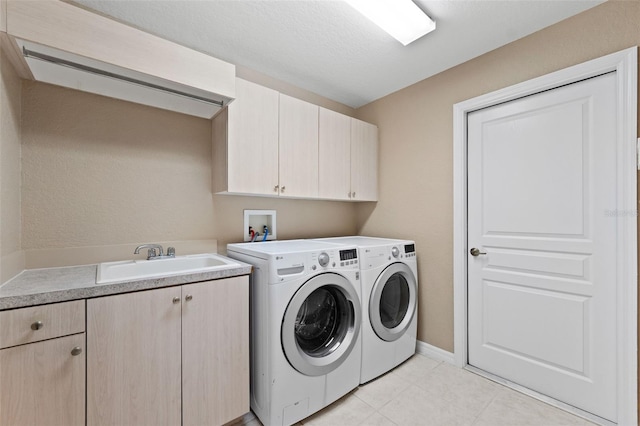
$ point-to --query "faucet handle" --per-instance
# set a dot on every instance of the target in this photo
(171, 251)
(151, 253)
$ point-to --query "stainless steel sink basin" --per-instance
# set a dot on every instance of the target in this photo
(133, 270)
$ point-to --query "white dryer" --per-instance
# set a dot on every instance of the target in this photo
(305, 326)
(389, 302)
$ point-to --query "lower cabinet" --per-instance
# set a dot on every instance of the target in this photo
(171, 356)
(43, 383)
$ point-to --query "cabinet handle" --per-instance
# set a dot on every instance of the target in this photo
(37, 325)
(176, 300)
(275, 188)
(349, 194)
(188, 297)
(354, 194)
(76, 351)
(282, 190)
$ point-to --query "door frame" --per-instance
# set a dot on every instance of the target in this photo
(625, 64)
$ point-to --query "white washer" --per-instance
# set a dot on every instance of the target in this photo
(389, 302)
(305, 326)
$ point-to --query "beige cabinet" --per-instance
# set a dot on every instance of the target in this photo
(215, 351)
(364, 161)
(245, 142)
(334, 152)
(348, 158)
(43, 383)
(268, 143)
(298, 148)
(176, 355)
(133, 362)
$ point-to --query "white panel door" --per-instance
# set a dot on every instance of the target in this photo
(298, 149)
(542, 300)
(334, 155)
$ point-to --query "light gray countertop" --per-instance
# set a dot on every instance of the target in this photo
(50, 285)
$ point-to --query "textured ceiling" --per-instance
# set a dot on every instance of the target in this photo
(327, 47)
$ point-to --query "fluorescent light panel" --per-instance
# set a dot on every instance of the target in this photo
(401, 18)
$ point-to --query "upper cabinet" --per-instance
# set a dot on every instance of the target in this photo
(334, 155)
(245, 149)
(62, 44)
(271, 144)
(364, 161)
(348, 158)
(298, 148)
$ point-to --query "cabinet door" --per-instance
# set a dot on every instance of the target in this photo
(298, 148)
(253, 140)
(364, 161)
(133, 358)
(43, 383)
(215, 351)
(334, 163)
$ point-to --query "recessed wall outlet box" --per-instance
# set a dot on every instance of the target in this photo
(256, 220)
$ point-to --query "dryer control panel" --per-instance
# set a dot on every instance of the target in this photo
(373, 256)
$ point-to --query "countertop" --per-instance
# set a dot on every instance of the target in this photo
(40, 286)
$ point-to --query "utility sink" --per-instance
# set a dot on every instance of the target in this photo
(135, 270)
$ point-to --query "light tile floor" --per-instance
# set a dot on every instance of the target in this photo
(426, 392)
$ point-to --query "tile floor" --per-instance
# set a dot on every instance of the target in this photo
(426, 392)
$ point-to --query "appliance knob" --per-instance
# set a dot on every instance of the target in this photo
(323, 259)
(395, 252)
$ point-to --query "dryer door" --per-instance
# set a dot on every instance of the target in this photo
(321, 324)
(393, 301)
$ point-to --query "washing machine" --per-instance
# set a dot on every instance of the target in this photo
(305, 326)
(389, 302)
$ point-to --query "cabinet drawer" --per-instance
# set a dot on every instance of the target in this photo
(26, 325)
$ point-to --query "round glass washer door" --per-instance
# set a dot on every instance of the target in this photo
(392, 304)
(321, 324)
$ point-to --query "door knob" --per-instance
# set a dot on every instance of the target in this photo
(476, 252)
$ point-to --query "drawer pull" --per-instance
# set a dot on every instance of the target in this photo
(37, 325)
(188, 297)
(176, 300)
(76, 351)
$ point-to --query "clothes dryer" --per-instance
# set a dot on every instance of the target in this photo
(305, 326)
(389, 302)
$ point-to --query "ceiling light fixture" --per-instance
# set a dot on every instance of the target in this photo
(403, 19)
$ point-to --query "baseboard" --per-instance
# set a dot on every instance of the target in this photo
(435, 352)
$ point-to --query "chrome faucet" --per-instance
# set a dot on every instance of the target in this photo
(152, 254)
